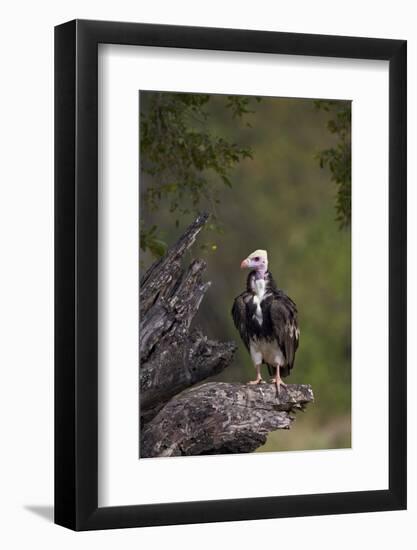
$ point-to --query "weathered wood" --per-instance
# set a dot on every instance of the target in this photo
(171, 314)
(164, 274)
(173, 357)
(220, 418)
(179, 365)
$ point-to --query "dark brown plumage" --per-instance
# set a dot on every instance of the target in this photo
(267, 319)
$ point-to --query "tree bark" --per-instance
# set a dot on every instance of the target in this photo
(173, 357)
(220, 418)
(213, 417)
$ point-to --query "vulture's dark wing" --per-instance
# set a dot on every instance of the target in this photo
(239, 314)
(285, 328)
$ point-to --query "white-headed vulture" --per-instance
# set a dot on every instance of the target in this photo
(266, 319)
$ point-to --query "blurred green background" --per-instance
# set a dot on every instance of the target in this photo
(277, 197)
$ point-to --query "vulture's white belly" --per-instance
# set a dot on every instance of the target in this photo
(265, 351)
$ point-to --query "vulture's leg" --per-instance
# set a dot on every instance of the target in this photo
(258, 379)
(278, 380)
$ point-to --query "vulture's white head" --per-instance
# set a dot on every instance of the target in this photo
(258, 261)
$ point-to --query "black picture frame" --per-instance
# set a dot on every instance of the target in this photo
(76, 271)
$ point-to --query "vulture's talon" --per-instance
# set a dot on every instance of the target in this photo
(255, 382)
(279, 383)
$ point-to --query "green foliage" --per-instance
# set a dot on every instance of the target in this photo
(185, 161)
(149, 241)
(240, 105)
(338, 158)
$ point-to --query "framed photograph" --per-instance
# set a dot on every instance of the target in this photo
(230, 284)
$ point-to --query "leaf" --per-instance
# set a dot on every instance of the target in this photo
(157, 247)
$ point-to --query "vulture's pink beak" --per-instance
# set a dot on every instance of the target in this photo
(244, 264)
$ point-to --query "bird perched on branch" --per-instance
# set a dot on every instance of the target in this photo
(266, 319)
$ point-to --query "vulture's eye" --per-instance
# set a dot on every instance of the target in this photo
(256, 259)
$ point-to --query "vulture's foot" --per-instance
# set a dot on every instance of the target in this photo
(278, 382)
(257, 381)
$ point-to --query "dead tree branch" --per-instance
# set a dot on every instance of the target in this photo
(173, 357)
(220, 418)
